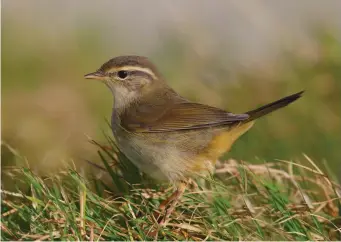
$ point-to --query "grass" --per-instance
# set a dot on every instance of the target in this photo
(280, 200)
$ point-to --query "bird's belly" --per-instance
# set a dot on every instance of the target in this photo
(137, 151)
(166, 156)
(174, 156)
(158, 161)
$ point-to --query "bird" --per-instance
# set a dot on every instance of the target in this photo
(163, 133)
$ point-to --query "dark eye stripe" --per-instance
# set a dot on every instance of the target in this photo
(142, 74)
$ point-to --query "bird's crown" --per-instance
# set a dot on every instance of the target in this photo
(129, 63)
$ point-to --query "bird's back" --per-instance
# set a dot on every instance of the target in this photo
(172, 153)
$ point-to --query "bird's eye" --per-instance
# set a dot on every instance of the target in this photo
(122, 74)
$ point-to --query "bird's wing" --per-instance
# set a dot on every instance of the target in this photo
(166, 117)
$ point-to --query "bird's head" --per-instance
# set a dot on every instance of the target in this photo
(128, 77)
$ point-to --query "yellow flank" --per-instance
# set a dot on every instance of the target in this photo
(223, 142)
(220, 144)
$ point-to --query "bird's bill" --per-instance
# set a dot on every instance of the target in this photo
(95, 75)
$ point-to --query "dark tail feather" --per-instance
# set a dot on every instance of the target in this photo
(259, 112)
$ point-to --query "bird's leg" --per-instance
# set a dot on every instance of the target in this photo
(169, 204)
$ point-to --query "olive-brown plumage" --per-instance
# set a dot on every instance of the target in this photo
(163, 133)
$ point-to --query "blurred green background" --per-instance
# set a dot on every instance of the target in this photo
(233, 55)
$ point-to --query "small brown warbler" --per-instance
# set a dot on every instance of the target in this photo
(164, 134)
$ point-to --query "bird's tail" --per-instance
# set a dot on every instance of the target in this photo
(259, 112)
